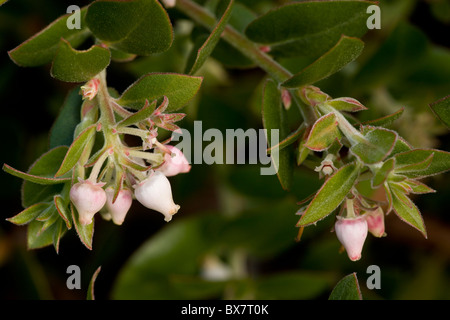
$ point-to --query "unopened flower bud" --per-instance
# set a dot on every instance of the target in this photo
(88, 198)
(375, 222)
(174, 163)
(352, 233)
(90, 89)
(326, 166)
(286, 98)
(118, 210)
(155, 193)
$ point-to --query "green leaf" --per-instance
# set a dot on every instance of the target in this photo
(60, 229)
(29, 214)
(440, 162)
(345, 51)
(346, 104)
(274, 118)
(85, 232)
(401, 145)
(323, 133)
(377, 145)
(418, 187)
(330, 195)
(139, 27)
(75, 150)
(71, 65)
(63, 128)
(178, 88)
(406, 210)
(207, 48)
(62, 208)
(90, 293)
(309, 28)
(347, 289)
(33, 178)
(38, 238)
(386, 120)
(41, 48)
(138, 116)
(441, 109)
(381, 174)
(419, 166)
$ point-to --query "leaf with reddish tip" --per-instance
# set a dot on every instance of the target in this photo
(29, 214)
(33, 178)
(441, 109)
(346, 104)
(418, 187)
(330, 195)
(347, 289)
(324, 133)
(85, 232)
(140, 115)
(406, 210)
(62, 210)
(76, 150)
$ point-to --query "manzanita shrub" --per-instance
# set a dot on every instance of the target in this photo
(101, 173)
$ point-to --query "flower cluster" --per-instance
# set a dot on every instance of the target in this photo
(121, 173)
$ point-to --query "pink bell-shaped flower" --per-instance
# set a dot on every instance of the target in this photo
(174, 163)
(352, 233)
(375, 222)
(155, 193)
(118, 210)
(88, 198)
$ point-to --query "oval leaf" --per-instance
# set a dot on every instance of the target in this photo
(178, 88)
(29, 214)
(309, 27)
(139, 27)
(381, 174)
(344, 52)
(347, 289)
(330, 195)
(324, 132)
(70, 65)
(377, 145)
(41, 48)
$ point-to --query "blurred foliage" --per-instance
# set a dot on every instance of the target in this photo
(235, 226)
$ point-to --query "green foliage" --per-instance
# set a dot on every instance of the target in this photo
(345, 51)
(442, 110)
(178, 88)
(71, 65)
(139, 27)
(347, 289)
(309, 28)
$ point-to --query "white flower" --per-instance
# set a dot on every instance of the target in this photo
(118, 210)
(88, 198)
(155, 193)
(375, 222)
(174, 163)
(352, 233)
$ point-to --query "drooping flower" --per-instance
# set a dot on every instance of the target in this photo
(88, 198)
(326, 166)
(352, 233)
(174, 163)
(155, 193)
(375, 222)
(118, 210)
